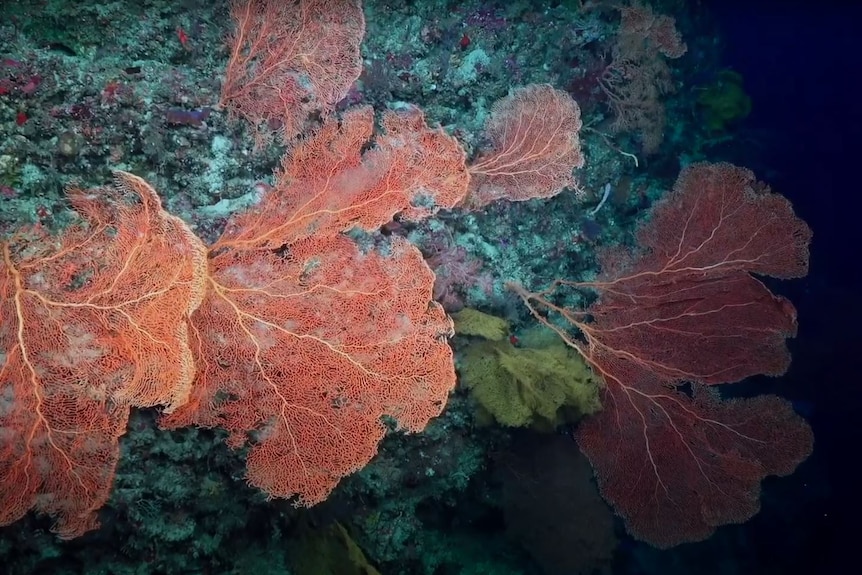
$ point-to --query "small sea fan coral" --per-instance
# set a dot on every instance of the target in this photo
(457, 272)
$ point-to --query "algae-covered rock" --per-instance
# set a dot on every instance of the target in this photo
(724, 101)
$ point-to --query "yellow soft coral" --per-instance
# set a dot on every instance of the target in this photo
(541, 384)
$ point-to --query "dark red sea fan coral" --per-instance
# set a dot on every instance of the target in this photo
(685, 309)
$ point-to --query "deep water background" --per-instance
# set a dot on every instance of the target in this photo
(801, 64)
